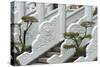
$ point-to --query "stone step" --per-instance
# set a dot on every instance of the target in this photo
(72, 59)
(57, 49)
(42, 60)
(49, 54)
(38, 63)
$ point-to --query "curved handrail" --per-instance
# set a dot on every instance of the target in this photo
(50, 13)
(75, 12)
(56, 11)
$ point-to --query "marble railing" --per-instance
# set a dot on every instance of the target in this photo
(33, 31)
(52, 13)
(47, 38)
(65, 54)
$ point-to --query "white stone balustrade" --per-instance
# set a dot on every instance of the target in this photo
(41, 12)
(65, 53)
(79, 13)
(70, 14)
(33, 31)
(47, 38)
(51, 32)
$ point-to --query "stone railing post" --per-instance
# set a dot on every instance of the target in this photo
(41, 11)
(18, 11)
(62, 13)
(88, 13)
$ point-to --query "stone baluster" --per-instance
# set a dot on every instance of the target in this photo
(89, 16)
(88, 13)
(68, 6)
(62, 13)
(18, 11)
(41, 11)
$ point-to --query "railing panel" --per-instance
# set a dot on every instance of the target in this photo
(46, 39)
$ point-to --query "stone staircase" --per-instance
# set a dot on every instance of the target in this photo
(43, 58)
(72, 59)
